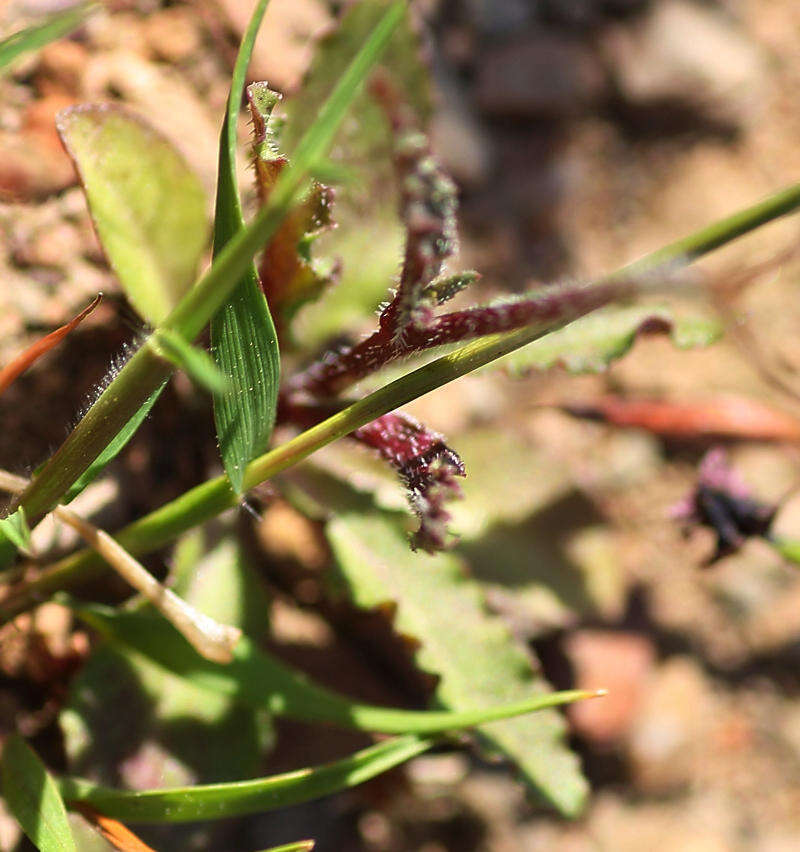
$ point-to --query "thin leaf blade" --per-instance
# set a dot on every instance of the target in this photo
(114, 448)
(217, 801)
(243, 337)
(33, 798)
(38, 35)
(259, 680)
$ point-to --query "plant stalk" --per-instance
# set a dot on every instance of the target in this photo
(209, 499)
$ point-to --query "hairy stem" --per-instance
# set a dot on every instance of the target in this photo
(214, 496)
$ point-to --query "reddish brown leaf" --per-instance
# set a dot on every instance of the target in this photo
(40, 347)
(114, 832)
(287, 272)
(722, 417)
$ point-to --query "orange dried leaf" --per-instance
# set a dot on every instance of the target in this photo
(35, 351)
(721, 417)
(118, 835)
(287, 272)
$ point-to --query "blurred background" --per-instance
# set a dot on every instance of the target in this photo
(582, 134)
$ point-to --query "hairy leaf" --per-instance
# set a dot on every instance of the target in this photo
(217, 801)
(427, 467)
(470, 650)
(243, 338)
(33, 798)
(147, 205)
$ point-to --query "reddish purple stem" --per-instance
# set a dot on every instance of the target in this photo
(550, 309)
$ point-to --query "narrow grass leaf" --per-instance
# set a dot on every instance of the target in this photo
(147, 205)
(38, 35)
(116, 446)
(195, 362)
(259, 680)
(243, 338)
(219, 801)
(16, 530)
(299, 846)
(33, 798)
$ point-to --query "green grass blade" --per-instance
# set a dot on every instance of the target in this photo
(261, 681)
(243, 338)
(34, 37)
(145, 371)
(15, 529)
(195, 362)
(299, 846)
(218, 801)
(33, 798)
(116, 446)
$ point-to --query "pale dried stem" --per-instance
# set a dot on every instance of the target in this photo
(208, 637)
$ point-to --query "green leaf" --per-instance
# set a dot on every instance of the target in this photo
(195, 362)
(218, 801)
(470, 650)
(589, 344)
(125, 711)
(243, 338)
(300, 846)
(148, 206)
(38, 35)
(259, 680)
(16, 530)
(369, 237)
(33, 798)
(116, 446)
